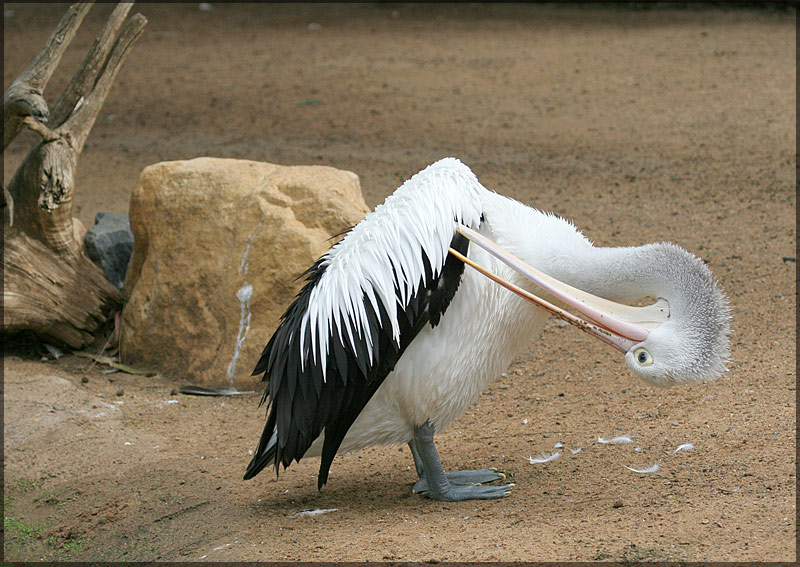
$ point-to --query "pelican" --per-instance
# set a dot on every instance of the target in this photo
(402, 324)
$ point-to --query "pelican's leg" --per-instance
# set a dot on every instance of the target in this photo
(436, 484)
(460, 478)
(417, 460)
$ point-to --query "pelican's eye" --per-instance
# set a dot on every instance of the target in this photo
(643, 357)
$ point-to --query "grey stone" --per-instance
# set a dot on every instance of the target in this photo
(109, 244)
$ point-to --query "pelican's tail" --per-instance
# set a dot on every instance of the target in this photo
(265, 454)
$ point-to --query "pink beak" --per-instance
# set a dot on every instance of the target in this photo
(619, 325)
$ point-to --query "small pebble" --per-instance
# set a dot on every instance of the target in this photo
(617, 504)
(84, 380)
(120, 392)
(173, 392)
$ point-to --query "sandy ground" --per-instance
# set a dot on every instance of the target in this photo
(639, 125)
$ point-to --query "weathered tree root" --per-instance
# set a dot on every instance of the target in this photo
(50, 287)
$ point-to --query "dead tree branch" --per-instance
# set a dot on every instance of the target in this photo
(50, 286)
(25, 96)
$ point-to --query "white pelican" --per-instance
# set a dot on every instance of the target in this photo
(391, 338)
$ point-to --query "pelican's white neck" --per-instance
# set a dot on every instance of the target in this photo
(692, 345)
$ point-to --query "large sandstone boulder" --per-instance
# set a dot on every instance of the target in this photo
(218, 247)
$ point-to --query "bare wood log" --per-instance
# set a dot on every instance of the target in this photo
(46, 213)
(64, 302)
(80, 122)
(84, 79)
(50, 286)
(25, 96)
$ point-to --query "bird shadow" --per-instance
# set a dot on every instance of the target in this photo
(355, 493)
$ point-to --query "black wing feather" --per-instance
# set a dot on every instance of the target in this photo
(302, 403)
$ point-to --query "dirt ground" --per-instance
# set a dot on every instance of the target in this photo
(639, 125)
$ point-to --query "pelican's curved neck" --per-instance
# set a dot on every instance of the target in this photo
(556, 247)
(620, 274)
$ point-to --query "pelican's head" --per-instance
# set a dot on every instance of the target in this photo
(681, 337)
(692, 344)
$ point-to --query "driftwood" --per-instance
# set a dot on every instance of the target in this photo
(50, 286)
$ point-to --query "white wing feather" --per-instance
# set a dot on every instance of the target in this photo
(383, 252)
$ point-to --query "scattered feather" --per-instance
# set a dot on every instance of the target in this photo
(558, 446)
(317, 512)
(684, 447)
(575, 451)
(648, 470)
(190, 390)
(544, 458)
(616, 440)
(525, 421)
(54, 351)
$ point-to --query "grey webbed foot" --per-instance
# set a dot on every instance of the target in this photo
(471, 492)
(461, 478)
(455, 486)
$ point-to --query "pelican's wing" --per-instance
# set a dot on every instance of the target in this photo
(363, 303)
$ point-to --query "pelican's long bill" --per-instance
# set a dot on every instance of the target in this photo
(621, 326)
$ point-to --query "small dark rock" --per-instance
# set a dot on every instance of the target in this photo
(109, 244)
(84, 380)
(173, 392)
(617, 504)
(120, 392)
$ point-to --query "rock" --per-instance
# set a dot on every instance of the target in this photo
(219, 245)
(109, 244)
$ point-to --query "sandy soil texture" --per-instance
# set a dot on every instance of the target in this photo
(638, 125)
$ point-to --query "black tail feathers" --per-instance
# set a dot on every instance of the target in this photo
(264, 455)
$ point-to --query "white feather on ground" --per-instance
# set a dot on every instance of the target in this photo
(316, 512)
(544, 458)
(648, 470)
(616, 440)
